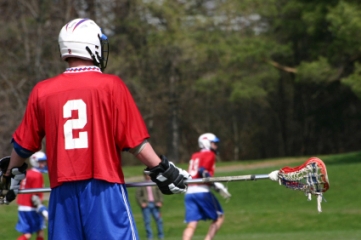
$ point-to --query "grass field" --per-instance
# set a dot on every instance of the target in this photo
(261, 209)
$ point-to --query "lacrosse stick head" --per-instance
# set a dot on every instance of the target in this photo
(310, 177)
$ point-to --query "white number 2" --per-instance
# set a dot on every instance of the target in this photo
(71, 124)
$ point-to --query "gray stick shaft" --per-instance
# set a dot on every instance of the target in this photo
(149, 183)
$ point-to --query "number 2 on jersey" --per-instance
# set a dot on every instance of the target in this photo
(72, 124)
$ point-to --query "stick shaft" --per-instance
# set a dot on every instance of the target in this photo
(149, 183)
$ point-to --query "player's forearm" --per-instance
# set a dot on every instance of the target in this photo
(148, 156)
(15, 161)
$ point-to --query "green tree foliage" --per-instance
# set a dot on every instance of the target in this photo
(317, 71)
(269, 77)
(354, 80)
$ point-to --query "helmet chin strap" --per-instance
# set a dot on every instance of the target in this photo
(95, 61)
(215, 151)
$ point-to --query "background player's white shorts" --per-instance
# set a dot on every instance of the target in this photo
(91, 210)
(201, 206)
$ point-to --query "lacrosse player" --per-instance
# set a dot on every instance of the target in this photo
(31, 212)
(200, 203)
(87, 117)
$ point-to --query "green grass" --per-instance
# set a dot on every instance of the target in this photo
(260, 209)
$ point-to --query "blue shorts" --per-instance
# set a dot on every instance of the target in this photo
(29, 222)
(202, 206)
(91, 210)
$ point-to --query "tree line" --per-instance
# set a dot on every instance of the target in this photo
(270, 78)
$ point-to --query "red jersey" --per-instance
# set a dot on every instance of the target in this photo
(34, 179)
(203, 158)
(87, 118)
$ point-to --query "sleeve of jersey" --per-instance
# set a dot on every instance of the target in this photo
(130, 129)
(30, 133)
(209, 163)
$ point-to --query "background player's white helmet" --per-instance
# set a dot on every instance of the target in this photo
(204, 140)
(36, 157)
(83, 38)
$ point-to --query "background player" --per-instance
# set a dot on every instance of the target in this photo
(200, 203)
(87, 117)
(150, 200)
(31, 211)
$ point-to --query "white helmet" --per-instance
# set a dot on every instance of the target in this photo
(36, 157)
(204, 140)
(83, 38)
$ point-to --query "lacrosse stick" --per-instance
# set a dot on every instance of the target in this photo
(310, 178)
(150, 183)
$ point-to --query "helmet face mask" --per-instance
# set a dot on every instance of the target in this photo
(205, 140)
(82, 38)
(105, 51)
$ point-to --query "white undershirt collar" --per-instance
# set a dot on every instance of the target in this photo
(83, 69)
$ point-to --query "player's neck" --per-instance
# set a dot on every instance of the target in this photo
(77, 62)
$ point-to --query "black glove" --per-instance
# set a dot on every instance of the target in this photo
(9, 185)
(168, 177)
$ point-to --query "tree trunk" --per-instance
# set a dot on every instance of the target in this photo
(174, 126)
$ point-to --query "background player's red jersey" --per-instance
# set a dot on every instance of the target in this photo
(90, 117)
(34, 179)
(203, 158)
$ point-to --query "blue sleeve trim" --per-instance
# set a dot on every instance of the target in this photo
(22, 152)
